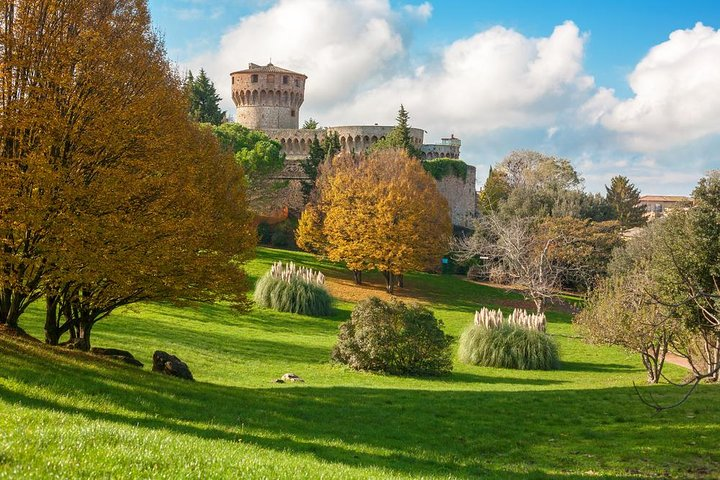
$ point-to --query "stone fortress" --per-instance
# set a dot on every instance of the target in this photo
(268, 98)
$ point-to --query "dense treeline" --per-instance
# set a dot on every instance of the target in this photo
(541, 231)
(663, 292)
(109, 194)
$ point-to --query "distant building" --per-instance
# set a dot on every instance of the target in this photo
(447, 148)
(657, 206)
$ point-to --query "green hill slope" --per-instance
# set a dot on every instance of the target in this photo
(70, 415)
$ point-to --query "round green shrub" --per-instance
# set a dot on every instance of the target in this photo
(395, 338)
(508, 347)
(295, 296)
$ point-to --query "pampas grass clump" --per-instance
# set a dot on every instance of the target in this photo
(508, 346)
(294, 290)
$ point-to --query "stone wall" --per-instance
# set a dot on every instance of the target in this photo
(360, 137)
(296, 142)
(461, 196)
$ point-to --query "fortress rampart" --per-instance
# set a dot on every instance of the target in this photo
(269, 98)
(296, 142)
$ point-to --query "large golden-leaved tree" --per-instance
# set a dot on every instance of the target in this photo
(108, 193)
(378, 211)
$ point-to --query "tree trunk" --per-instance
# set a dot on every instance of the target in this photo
(653, 358)
(10, 307)
(82, 342)
(401, 281)
(52, 320)
(649, 367)
(358, 277)
(389, 282)
(539, 304)
(4, 305)
(712, 349)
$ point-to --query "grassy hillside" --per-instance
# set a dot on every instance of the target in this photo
(73, 416)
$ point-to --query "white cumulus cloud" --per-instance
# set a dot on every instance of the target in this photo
(421, 12)
(497, 78)
(342, 46)
(677, 93)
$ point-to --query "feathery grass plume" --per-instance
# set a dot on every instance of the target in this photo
(289, 288)
(508, 346)
(519, 318)
(517, 341)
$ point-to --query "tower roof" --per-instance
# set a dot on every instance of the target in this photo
(269, 68)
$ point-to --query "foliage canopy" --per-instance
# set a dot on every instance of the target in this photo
(378, 211)
(395, 338)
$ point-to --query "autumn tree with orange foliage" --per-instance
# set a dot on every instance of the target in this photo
(108, 194)
(378, 211)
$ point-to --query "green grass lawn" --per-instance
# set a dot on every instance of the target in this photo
(68, 415)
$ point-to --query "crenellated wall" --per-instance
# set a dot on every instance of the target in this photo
(296, 142)
(439, 151)
(267, 96)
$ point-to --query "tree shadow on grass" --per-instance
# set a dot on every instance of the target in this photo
(467, 434)
(597, 367)
(464, 377)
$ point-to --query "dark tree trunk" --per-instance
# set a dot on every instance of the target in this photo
(52, 320)
(10, 307)
(82, 342)
(389, 282)
(401, 281)
(358, 277)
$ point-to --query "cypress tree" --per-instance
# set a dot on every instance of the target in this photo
(399, 137)
(310, 166)
(204, 100)
(624, 199)
(331, 145)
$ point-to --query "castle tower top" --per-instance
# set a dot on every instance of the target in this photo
(267, 96)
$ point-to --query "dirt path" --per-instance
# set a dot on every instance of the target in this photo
(677, 360)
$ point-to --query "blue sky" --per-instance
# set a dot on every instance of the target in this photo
(618, 87)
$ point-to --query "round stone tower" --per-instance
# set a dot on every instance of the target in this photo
(268, 97)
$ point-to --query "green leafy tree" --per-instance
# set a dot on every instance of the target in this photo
(495, 191)
(691, 265)
(310, 124)
(582, 248)
(204, 100)
(539, 185)
(399, 136)
(261, 159)
(624, 199)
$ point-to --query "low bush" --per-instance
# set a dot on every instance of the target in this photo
(295, 290)
(395, 338)
(508, 346)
